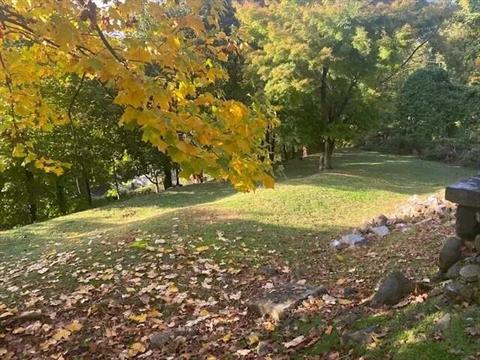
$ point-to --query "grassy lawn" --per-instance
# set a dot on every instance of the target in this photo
(165, 239)
(304, 203)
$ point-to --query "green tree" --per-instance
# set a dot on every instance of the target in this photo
(322, 63)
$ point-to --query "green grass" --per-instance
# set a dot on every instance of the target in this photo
(303, 206)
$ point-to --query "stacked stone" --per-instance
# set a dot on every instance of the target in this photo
(459, 257)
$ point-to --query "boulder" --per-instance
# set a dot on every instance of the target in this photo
(282, 298)
(380, 230)
(465, 192)
(470, 272)
(454, 270)
(443, 323)
(467, 225)
(352, 239)
(451, 253)
(477, 243)
(393, 289)
(458, 292)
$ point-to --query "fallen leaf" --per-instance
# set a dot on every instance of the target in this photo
(61, 334)
(135, 349)
(138, 318)
(328, 330)
(243, 352)
(295, 342)
(252, 339)
(201, 249)
(74, 326)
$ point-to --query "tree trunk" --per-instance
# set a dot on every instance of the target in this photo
(115, 176)
(31, 198)
(60, 194)
(304, 152)
(270, 140)
(327, 154)
(167, 180)
(157, 185)
(324, 158)
(177, 176)
(86, 184)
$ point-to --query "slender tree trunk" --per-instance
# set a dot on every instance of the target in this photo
(323, 160)
(60, 194)
(115, 176)
(77, 183)
(31, 198)
(157, 185)
(270, 140)
(304, 152)
(86, 184)
(327, 154)
(177, 176)
(284, 152)
(167, 179)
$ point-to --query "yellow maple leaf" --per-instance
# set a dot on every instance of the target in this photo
(141, 318)
(74, 326)
(61, 334)
(136, 348)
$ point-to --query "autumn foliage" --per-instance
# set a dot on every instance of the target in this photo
(160, 59)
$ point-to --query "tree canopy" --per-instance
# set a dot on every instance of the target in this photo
(161, 60)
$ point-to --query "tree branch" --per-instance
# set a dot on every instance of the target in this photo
(407, 60)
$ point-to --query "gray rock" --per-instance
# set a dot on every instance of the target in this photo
(454, 270)
(393, 289)
(360, 337)
(264, 348)
(336, 244)
(477, 243)
(466, 224)
(160, 338)
(451, 253)
(465, 192)
(352, 239)
(349, 292)
(277, 302)
(470, 272)
(269, 271)
(380, 230)
(458, 292)
(443, 323)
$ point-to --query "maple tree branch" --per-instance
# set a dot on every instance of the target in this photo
(108, 45)
(75, 95)
(412, 54)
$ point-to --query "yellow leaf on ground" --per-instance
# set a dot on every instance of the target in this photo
(61, 334)
(253, 339)
(202, 248)
(227, 337)
(74, 326)
(141, 318)
(136, 348)
(328, 330)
